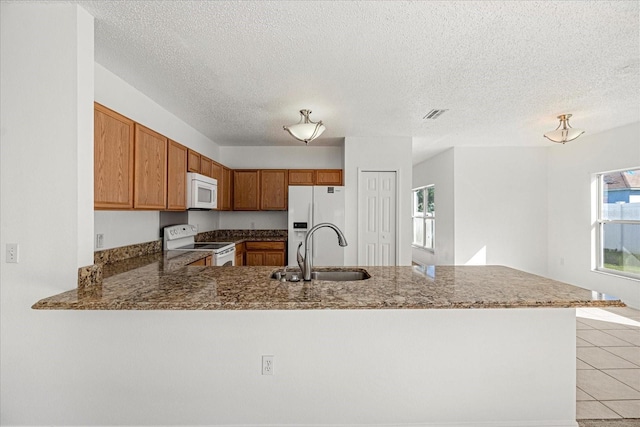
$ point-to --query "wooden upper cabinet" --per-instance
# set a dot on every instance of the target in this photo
(315, 177)
(216, 173)
(112, 159)
(150, 169)
(176, 176)
(273, 189)
(225, 190)
(328, 177)
(206, 166)
(193, 162)
(301, 176)
(246, 190)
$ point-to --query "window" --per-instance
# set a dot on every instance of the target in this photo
(618, 223)
(424, 217)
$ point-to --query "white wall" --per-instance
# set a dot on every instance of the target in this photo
(252, 220)
(295, 157)
(46, 115)
(122, 228)
(47, 148)
(530, 208)
(203, 368)
(501, 207)
(571, 191)
(378, 154)
(438, 170)
(290, 157)
(113, 92)
(491, 207)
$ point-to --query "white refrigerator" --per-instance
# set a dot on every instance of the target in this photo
(311, 205)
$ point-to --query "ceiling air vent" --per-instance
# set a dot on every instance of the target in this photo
(434, 114)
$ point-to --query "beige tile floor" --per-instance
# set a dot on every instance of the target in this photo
(608, 363)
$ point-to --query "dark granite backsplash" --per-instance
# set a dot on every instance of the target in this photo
(220, 235)
(110, 256)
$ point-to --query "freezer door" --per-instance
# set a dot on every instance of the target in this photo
(300, 213)
(328, 206)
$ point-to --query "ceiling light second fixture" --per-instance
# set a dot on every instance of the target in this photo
(564, 132)
(305, 130)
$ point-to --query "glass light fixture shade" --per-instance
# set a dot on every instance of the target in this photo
(305, 130)
(564, 132)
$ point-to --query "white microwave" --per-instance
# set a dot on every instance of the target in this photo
(202, 192)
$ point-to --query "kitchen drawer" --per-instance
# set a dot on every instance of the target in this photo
(261, 246)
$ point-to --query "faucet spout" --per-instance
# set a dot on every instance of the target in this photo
(306, 262)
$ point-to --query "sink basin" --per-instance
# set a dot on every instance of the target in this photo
(339, 275)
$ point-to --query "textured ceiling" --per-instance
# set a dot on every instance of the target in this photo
(237, 71)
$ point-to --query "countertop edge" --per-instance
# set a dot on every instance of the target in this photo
(173, 306)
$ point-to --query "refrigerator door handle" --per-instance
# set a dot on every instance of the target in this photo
(309, 225)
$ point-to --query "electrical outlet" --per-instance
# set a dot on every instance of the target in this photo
(99, 240)
(12, 252)
(267, 365)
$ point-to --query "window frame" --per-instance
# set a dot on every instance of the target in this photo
(425, 216)
(600, 222)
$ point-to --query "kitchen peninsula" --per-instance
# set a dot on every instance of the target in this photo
(431, 346)
(165, 281)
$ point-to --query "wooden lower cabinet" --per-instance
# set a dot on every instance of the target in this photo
(203, 261)
(254, 258)
(265, 253)
(240, 252)
(274, 258)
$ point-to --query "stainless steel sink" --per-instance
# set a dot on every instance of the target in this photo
(340, 275)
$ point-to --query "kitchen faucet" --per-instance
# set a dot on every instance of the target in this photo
(305, 263)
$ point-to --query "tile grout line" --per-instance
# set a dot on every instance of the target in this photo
(611, 335)
(613, 410)
(603, 370)
(611, 376)
(636, 366)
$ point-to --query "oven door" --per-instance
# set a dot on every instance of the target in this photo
(225, 258)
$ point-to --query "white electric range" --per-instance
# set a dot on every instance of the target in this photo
(182, 238)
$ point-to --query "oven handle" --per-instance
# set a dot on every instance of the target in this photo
(227, 251)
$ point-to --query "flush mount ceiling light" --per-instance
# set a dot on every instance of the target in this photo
(305, 130)
(564, 132)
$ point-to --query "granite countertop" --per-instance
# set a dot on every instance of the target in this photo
(163, 281)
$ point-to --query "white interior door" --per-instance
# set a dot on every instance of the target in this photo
(377, 218)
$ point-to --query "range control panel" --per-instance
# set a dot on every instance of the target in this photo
(179, 231)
